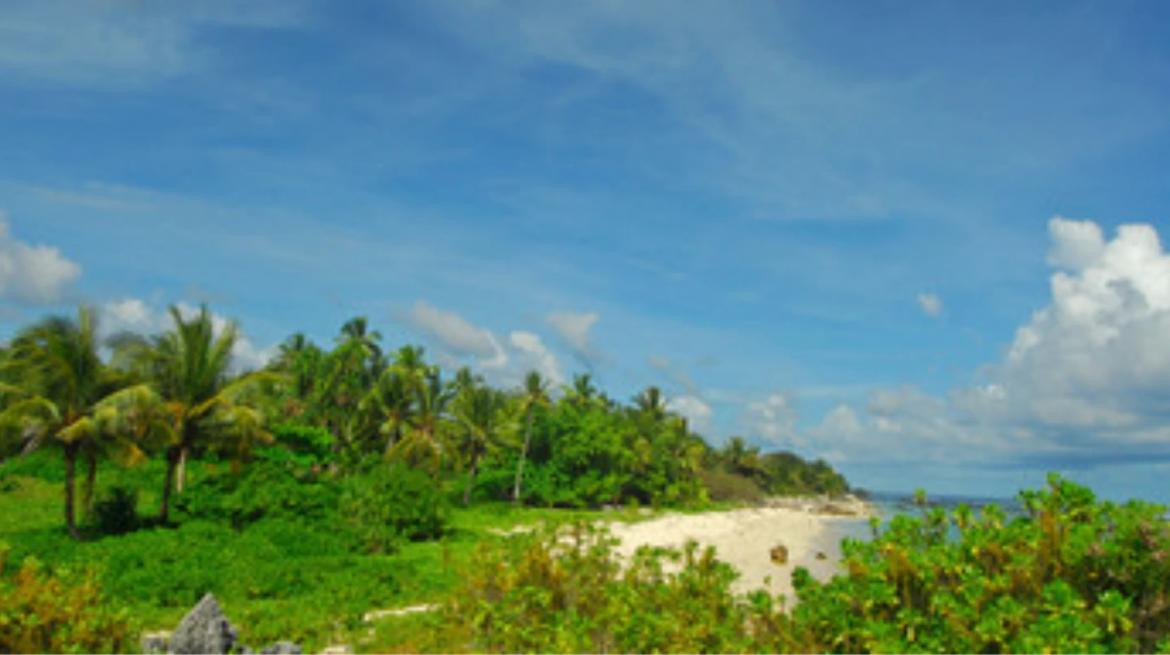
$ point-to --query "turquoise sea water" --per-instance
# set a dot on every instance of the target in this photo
(890, 504)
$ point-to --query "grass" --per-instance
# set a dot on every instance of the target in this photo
(276, 579)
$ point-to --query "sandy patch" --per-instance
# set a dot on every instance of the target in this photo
(745, 537)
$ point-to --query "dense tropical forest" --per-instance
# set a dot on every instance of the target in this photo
(145, 470)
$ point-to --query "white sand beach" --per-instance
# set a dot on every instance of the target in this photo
(745, 537)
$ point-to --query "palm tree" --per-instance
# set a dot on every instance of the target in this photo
(356, 331)
(582, 392)
(423, 440)
(479, 410)
(301, 359)
(64, 380)
(651, 403)
(188, 367)
(535, 395)
(740, 458)
(389, 404)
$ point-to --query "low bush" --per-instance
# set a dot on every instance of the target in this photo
(264, 490)
(393, 503)
(730, 487)
(116, 511)
(44, 611)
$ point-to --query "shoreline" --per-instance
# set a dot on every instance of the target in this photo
(809, 528)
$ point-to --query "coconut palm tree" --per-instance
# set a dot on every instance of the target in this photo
(188, 368)
(651, 403)
(479, 410)
(535, 395)
(424, 439)
(63, 380)
(582, 392)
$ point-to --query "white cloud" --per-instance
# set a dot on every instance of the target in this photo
(456, 334)
(574, 330)
(32, 273)
(773, 419)
(533, 355)
(503, 362)
(135, 315)
(1085, 381)
(693, 409)
(930, 304)
(131, 315)
(1075, 244)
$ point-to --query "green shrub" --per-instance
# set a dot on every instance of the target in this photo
(116, 512)
(299, 446)
(44, 464)
(392, 503)
(730, 487)
(565, 591)
(51, 612)
(1072, 575)
(265, 489)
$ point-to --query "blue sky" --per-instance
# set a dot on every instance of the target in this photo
(836, 228)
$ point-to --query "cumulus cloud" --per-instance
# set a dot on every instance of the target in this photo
(693, 408)
(773, 419)
(135, 315)
(1084, 382)
(574, 330)
(34, 274)
(930, 304)
(503, 362)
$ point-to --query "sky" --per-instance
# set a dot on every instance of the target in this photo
(919, 240)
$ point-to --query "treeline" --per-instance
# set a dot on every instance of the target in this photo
(353, 407)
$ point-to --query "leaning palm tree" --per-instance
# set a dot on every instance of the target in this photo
(188, 368)
(535, 395)
(63, 379)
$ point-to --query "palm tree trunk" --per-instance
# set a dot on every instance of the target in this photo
(70, 460)
(181, 473)
(523, 457)
(168, 482)
(90, 482)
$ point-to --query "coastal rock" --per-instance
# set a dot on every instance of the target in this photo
(282, 648)
(205, 629)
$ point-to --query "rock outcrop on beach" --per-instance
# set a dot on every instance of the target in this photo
(205, 629)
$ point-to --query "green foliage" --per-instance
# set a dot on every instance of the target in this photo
(731, 487)
(393, 503)
(299, 446)
(45, 611)
(1073, 575)
(116, 511)
(565, 591)
(40, 464)
(265, 490)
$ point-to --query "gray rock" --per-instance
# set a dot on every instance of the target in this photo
(204, 630)
(282, 648)
(155, 643)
